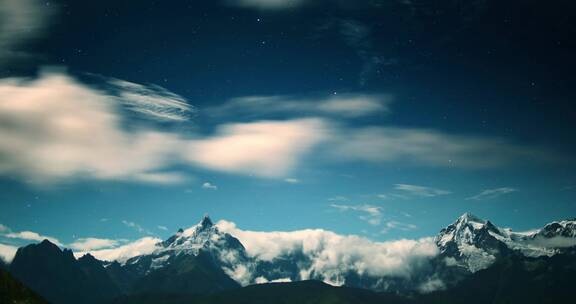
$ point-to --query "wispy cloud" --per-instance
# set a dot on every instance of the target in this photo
(420, 191)
(492, 193)
(395, 225)
(135, 226)
(372, 214)
(335, 105)
(152, 100)
(359, 37)
(266, 4)
(209, 186)
(163, 228)
(429, 147)
(338, 198)
(20, 22)
(292, 180)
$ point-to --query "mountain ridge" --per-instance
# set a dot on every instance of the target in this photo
(202, 259)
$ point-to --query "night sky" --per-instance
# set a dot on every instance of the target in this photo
(386, 119)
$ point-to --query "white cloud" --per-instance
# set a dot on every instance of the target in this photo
(7, 252)
(32, 236)
(3, 228)
(333, 255)
(373, 214)
(420, 190)
(209, 186)
(162, 227)
(292, 180)
(492, 193)
(87, 244)
(122, 253)
(264, 148)
(55, 128)
(266, 4)
(20, 22)
(341, 105)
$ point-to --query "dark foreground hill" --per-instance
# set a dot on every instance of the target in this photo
(515, 280)
(59, 277)
(13, 292)
(303, 292)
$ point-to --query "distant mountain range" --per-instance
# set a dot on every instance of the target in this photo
(476, 261)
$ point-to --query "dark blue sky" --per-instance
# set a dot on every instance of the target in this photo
(386, 119)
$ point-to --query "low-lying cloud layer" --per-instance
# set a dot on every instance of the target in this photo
(333, 255)
(145, 245)
(87, 244)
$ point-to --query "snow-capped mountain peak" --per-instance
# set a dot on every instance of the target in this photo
(566, 228)
(204, 237)
(467, 229)
(475, 244)
(471, 242)
(200, 236)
